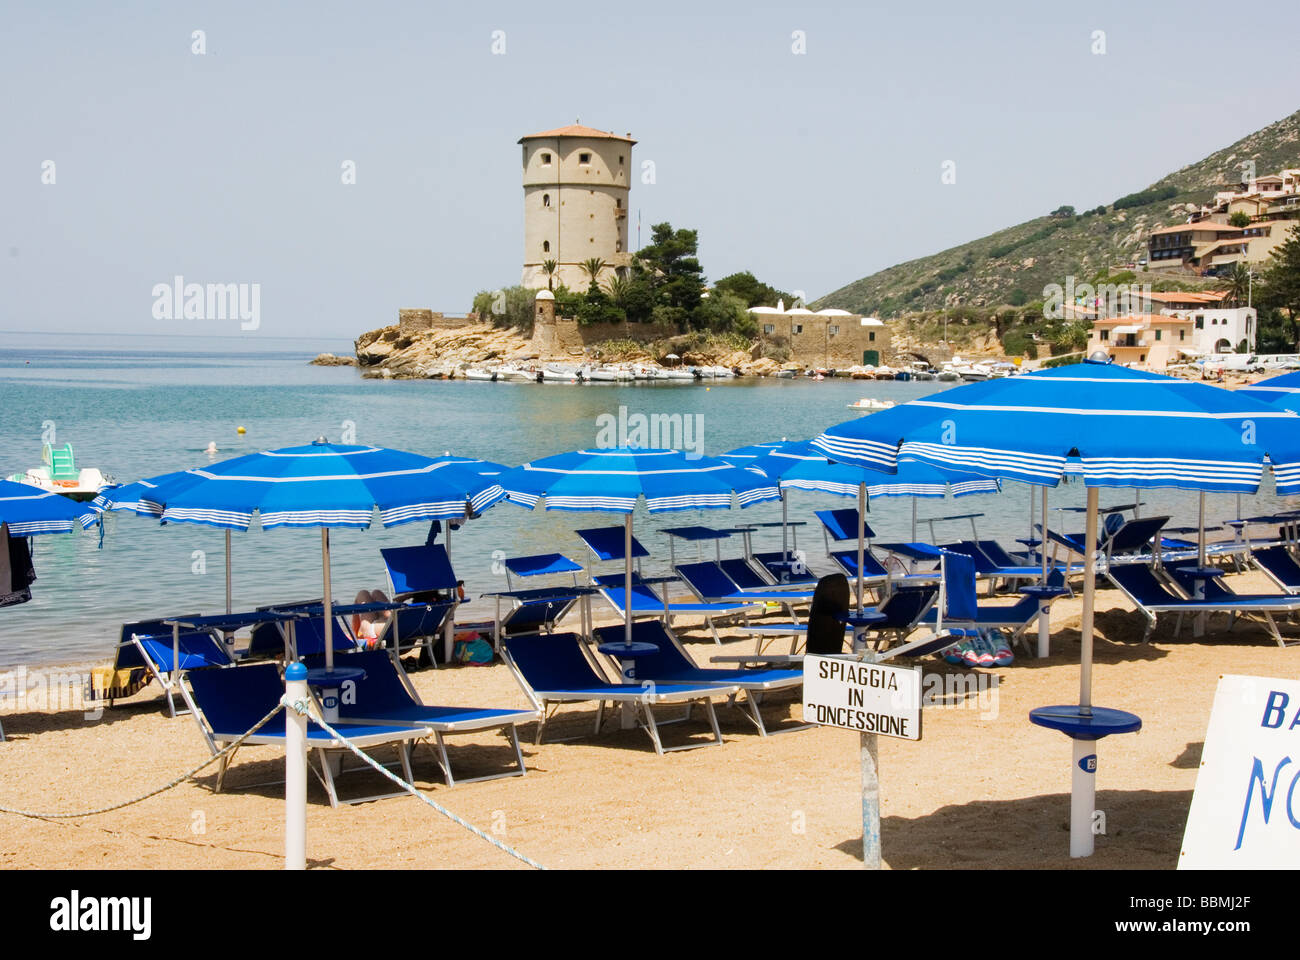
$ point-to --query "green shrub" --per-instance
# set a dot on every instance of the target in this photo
(1143, 197)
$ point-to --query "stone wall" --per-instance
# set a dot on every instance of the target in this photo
(413, 322)
(825, 341)
(566, 336)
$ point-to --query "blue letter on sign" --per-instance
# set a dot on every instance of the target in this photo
(1266, 795)
(1273, 706)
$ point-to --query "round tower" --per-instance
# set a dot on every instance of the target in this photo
(576, 184)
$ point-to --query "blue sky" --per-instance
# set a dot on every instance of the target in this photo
(810, 169)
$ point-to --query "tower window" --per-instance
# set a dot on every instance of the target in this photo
(798, 328)
(546, 246)
(832, 330)
(620, 159)
(584, 158)
(546, 159)
(546, 199)
(618, 246)
(618, 203)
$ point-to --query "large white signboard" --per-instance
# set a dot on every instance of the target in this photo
(869, 697)
(1246, 808)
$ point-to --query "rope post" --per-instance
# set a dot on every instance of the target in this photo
(295, 769)
(870, 758)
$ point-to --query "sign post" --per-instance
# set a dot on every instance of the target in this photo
(874, 699)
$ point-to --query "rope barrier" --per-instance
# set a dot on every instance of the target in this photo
(409, 788)
(229, 748)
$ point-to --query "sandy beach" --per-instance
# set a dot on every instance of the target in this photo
(984, 788)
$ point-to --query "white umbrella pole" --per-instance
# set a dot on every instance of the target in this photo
(785, 551)
(914, 519)
(449, 630)
(1044, 617)
(1033, 505)
(329, 624)
(295, 770)
(1083, 788)
(862, 537)
(227, 572)
(1200, 537)
(627, 579)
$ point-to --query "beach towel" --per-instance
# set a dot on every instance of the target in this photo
(16, 571)
(108, 683)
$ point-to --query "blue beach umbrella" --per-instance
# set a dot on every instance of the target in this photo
(798, 465)
(1282, 391)
(614, 480)
(323, 485)
(29, 511)
(1128, 428)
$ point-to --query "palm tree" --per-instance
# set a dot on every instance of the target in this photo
(550, 266)
(1238, 283)
(592, 267)
(618, 287)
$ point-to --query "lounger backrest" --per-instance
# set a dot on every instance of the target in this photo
(606, 543)
(552, 661)
(381, 688)
(905, 606)
(744, 576)
(997, 553)
(233, 700)
(418, 569)
(1213, 590)
(414, 622)
(1140, 582)
(830, 601)
(843, 524)
(1279, 562)
(668, 660)
(871, 567)
(540, 564)
(959, 595)
(196, 649)
(971, 549)
(266, 639)
(706, 579)
(1136, 535)
(536, 614)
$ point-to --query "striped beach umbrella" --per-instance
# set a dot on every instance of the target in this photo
(321, 485)
(615, 480)
(1128, 428)
(1281, 391)
(29, 511)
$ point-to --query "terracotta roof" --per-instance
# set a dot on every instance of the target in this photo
(1202, 225)
(1144, 318)
(1173, 296)
(576, 130)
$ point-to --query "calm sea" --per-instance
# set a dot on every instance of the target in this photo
(136, 407)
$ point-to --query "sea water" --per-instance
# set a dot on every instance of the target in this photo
(136, 407)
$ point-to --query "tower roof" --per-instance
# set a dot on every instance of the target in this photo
(576, 130)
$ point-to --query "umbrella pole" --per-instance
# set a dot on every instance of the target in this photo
(227, 572)
(1033, 506)
(862, 536)
(1083, 789)
(1044, 617)
(785, 550)
(627, 580)
(914, 519)
(1200, 536)
(449, 630)
(329, 624)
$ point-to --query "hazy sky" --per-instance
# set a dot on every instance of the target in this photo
(810, 169)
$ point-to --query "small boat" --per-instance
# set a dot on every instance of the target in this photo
(675, 373)
(58, 473)
(516, 375)
(606, 374)
(480, 373)
(884, 373)
(948, 374)
(903, 375)
(557, 375)
(871, 403)
(922, 370)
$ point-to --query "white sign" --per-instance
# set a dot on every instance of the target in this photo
(1245, 811)
(869, 697)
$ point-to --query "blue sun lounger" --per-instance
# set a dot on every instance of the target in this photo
(295, 636)
(647, 603)
(554, 668)
(673, 665)
(1280, 566)
(231, 701)
(168, 652)
(1153, 597)
(424, 573)
(538, 609)
(708, 581)
(385, 696)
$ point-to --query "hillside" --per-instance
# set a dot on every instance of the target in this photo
(1013, 265)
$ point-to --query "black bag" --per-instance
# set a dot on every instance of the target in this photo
(830, 602)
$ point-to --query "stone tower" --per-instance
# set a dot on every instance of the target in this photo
(576, 183)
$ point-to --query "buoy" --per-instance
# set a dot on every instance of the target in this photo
(240, 430)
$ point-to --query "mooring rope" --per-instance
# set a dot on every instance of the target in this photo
(409, 788)
(228, 748)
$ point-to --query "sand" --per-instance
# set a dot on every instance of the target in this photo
(984, 788)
